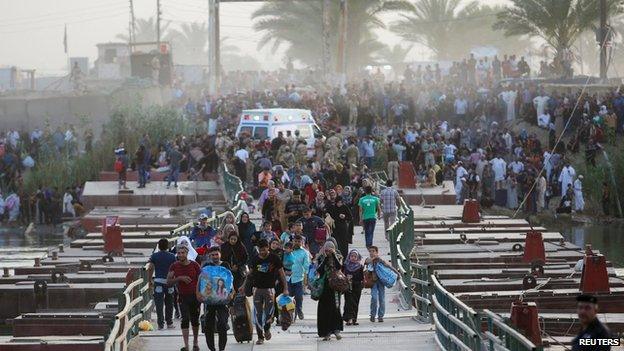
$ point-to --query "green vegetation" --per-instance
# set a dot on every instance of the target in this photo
(127, 124)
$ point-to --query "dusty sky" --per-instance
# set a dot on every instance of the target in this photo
(31, 31)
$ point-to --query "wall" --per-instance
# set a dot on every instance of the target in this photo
(28, 113)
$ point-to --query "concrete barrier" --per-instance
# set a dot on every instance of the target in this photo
(29, 112)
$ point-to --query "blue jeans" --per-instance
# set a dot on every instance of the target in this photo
(369, 229)
(142, 170)
(163, 297)
(296, 291)
(173, 176)
(378, 300)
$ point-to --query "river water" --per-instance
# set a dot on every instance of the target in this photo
(19, 250)
(608, 238)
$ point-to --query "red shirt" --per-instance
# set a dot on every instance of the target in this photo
(191, 270)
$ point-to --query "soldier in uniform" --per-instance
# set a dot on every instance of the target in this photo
(592, 328)
(287, 158)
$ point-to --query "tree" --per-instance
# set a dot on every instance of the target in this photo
(298, 26)
(395, 56)
(233, 60)
(189, 43)
(451, 30)
(559, 23)
(145, 30)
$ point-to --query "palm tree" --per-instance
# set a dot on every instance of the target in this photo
(395, 56)
(451, 30)
(233, 60)
(559, 22)
(189, 43)
(145, 30)
(298, 26)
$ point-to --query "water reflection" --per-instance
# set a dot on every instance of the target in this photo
(18, 249)
(607, 238)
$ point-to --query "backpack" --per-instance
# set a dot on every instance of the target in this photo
(119, 167)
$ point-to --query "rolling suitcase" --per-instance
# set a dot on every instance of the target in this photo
(241, 319)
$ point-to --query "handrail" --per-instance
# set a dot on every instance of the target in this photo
(136, 304)
(502, 334)
(455, 318)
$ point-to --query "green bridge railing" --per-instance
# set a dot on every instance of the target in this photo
(457, 325)
(401, 238)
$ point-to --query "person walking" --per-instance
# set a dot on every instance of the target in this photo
(246, 230)
(329, 320)
(141, 164)
(341, 214)
(378, 291)
(175, 158)
(267, 268)
(354, 270)
(216, 315)
(202, 234)
(296, 265)
(369, 213)
(159, 264)
(184, 273)
(234, 253)
(389, 202)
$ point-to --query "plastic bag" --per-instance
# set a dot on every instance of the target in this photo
(385, 275)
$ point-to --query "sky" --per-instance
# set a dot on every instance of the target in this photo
(31, 31)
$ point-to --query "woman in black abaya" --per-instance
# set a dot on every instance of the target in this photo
(329, 319)
(342, 218)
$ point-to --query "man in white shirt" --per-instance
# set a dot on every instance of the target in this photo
(461, 107)
(499, 166)
(516, 166)
(540, 102)
(449, 153)
(460, 172)
(566, 177)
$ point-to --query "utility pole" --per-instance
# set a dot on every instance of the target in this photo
(326, 46)
(132, 35)
(213, 43)
(604, 35)
(342, 44)
(158, 13)
(217, 40)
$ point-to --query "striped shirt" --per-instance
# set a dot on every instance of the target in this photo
(388, 198)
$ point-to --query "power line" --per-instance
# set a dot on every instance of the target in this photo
(62, 16)
(61, 24)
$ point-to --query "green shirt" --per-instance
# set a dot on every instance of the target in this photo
(369, 204)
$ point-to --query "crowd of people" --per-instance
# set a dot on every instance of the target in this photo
(22, 151)
(308, 253)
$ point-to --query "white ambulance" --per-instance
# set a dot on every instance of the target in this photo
(267, 123)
